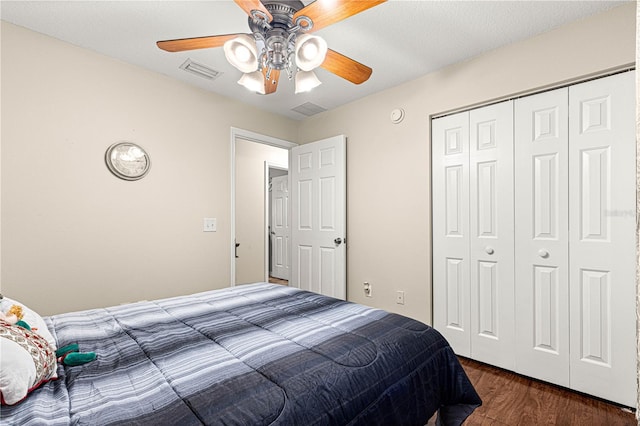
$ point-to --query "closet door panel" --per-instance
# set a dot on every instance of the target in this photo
(542, 241)
(491, 239)
(602, 239)
(450, 180)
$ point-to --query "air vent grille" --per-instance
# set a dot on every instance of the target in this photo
(308, 109)
(200, 70)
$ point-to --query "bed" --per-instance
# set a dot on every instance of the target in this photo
(258, 354)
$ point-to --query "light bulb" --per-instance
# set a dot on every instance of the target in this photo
(242, 53)
(309, 51)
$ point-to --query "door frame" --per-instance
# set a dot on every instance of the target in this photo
(237, 133)
(267, 209)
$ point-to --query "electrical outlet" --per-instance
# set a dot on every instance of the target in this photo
(367, 289)
(400, 297)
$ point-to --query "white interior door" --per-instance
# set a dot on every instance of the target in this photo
(542, 236)
(318, 216)
(602, 243)
(451, 282)
(280, 227)
(491, 234)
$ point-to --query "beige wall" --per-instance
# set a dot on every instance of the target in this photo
(74, 236)
(388, 189)
(250, 206)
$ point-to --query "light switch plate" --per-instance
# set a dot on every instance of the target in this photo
(210, 224)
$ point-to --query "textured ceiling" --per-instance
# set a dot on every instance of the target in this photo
(400, 40)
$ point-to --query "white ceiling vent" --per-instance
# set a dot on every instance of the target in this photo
(200, 70)
(308, 109)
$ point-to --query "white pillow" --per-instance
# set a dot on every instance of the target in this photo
(32, 318)
(26, 362)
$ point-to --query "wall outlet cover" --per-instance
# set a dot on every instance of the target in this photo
(210, 224)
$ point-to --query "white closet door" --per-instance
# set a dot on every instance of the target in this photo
(450, 181)
(491, 207)
(602, 239)
(542, 240)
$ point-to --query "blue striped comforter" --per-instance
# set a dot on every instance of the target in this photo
(257, 354)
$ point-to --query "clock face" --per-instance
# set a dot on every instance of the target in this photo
(127, 161)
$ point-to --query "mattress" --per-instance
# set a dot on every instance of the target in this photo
(258, 354)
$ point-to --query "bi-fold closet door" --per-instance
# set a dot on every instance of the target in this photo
(575, 237)
(473, 231)
(571, 317)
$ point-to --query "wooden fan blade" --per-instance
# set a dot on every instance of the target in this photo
(183, 44)
(249, 5)
(345, 67)
(271, 85)
(327, 12)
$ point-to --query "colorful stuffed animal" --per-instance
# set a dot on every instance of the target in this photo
(67, 355)
(14, 316)
(70, 355)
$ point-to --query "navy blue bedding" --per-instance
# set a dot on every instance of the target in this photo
(257, 354)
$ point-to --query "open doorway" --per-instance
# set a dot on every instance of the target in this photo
(317, 188)
(252, 155)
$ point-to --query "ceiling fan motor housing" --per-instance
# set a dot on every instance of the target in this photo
(277, 34)
(277, 48)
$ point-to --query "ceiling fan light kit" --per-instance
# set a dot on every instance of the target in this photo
(310, 52)
(306, 81)
(281, 46)
(253, 81)
(279, 40)
(242, 53)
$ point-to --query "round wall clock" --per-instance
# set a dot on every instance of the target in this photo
(127, 160)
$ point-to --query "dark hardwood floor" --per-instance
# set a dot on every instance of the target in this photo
(511, 399)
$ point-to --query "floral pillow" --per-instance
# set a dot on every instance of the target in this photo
(27, 362)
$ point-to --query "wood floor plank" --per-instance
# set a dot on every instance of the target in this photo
(514, 400)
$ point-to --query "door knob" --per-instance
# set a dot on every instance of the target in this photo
(543, 253)
(489, 250)
(338, 241)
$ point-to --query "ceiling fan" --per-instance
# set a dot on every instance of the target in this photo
(280, 40)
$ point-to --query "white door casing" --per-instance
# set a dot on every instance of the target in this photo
(542, 240)
(491, 234)
(602, 202)
(318, 216)
(280, 227)
(451, 253)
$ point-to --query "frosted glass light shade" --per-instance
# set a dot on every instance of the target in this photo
(305, 81)
(242, 53)
(253, 81)
(310, 52)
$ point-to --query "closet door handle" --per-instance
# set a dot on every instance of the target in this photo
(489, 250)
(543, 253)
